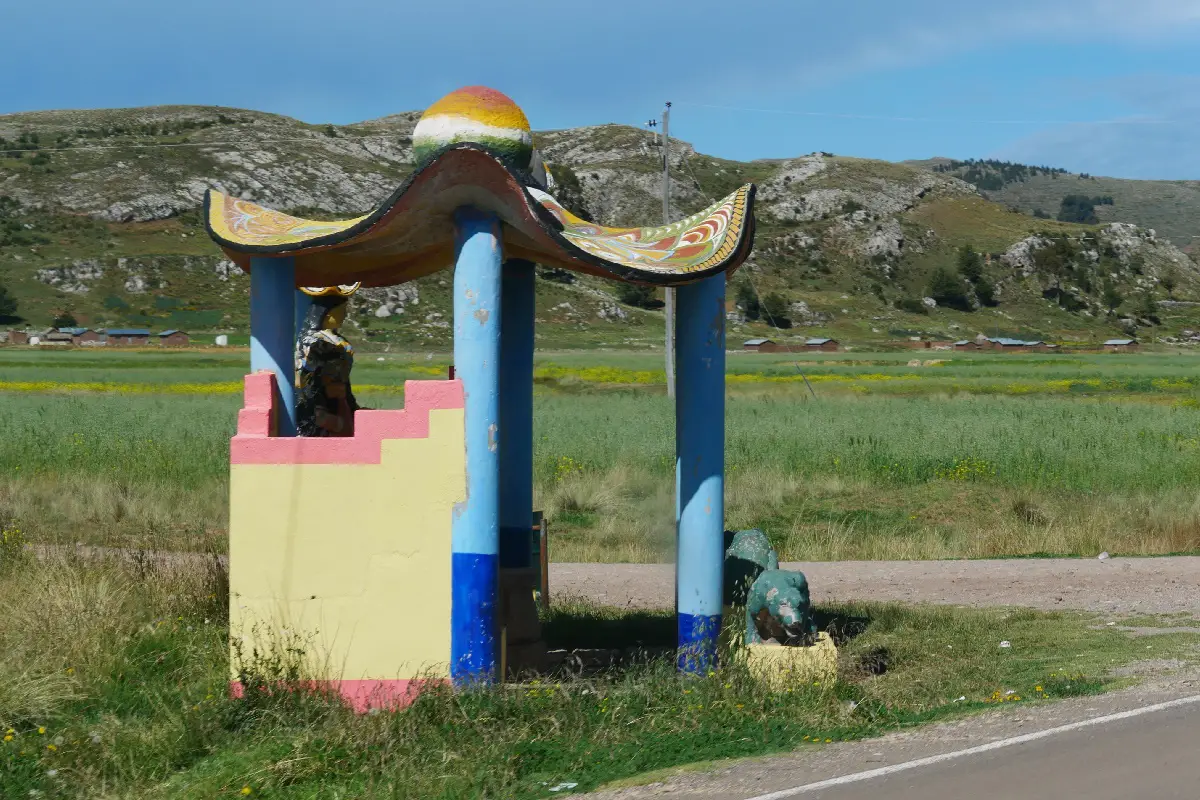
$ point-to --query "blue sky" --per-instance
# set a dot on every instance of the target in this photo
(1102, 86)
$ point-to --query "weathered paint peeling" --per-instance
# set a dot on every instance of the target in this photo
(482, 315)
(492, 437)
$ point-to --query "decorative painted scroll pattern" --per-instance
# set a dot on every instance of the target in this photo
(693, 244)
(241, 221)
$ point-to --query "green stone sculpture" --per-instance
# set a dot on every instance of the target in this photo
(779, 607)
(747, 555)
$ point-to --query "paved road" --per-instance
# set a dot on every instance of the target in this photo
(1153, 756)
(1105, 747)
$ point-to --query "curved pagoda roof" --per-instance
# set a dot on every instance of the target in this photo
(474, 148)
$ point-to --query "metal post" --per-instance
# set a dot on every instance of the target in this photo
(516, 414)
(668, 293)
(474, 540)
(700, 471)
(273, 331)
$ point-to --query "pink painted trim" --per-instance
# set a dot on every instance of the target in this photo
(254, 443)
(361, 696)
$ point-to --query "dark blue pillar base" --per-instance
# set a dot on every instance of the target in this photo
(473, 581)
(698, 637)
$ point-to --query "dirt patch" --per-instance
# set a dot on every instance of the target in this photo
(1117, 586)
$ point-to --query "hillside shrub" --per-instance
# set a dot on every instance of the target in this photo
(948, 289)
(8, 304)
(638, 296)
(912, 305)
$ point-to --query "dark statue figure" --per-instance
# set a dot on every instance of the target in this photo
(325, 404)
(778, 607)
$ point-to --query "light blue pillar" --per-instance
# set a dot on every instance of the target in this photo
(699, 468)
(516, 414)
(273, 331)
(474, 540)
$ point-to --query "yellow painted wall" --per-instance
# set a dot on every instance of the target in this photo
(356, 556)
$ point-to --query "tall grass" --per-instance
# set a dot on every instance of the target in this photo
(930, 473)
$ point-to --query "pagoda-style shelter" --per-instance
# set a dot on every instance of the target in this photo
(391, 544)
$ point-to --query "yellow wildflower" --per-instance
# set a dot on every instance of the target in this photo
(41, 730)
(246, 790)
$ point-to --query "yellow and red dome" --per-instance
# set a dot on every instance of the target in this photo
(475, 114)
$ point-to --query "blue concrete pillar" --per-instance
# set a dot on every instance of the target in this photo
(273, 331)
(699, 469)
(475, 533)
(516, 414)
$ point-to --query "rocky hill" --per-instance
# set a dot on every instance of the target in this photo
(99, 218)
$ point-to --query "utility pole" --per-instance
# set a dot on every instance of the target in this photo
(669, 292)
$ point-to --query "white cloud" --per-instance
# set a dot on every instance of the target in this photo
(1165, 148)
(910, 34)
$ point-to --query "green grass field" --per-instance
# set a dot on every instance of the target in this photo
(113, 673)
(965, 455)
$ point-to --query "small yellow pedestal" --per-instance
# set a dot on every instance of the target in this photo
(779, 668)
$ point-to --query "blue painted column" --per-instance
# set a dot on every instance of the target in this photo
(699, 469)
(273, 331)
(516, 414)
(474, 540)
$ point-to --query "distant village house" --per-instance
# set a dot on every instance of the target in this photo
(83, 336)
(761, 346)
(173, 339)
(128, 336)
(1120, 345)
(828, 345)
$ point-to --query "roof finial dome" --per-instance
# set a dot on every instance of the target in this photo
(475, 114)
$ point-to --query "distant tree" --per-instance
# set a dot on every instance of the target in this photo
(970, 263)
(1078, 208)
(557, 275)
(1170, 280)
(912, 305)
(1147, 307)
(8, 304)
(775, 309)
(1057, 261)
(331, 131)
(948, 289)
(985, 292)
(747, 301)
(64, 319)
(632, 294)
(1110, 296)
(1037, 212)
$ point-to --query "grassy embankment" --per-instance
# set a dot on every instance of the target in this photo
(975, 456)
(112, 684)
